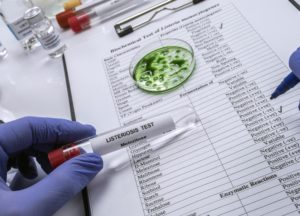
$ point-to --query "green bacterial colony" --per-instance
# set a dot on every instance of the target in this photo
(164, 69)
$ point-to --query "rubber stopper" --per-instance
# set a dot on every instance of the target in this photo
(79, 23)
(62, 18)
(61, 155)
(71, 4)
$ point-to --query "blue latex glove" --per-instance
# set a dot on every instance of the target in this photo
(35, 137)
(291, 80)
(294, 63)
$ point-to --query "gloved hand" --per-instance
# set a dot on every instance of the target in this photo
(291, 80)
(294, 63)
(35, 137)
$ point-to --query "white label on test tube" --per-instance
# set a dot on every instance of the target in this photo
(109, 6)
(179, 121)
(139, 132)
(101, 3)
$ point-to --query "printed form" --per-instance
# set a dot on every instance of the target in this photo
(243, 158)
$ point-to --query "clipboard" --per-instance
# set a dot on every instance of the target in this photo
(284, 53)
(84, 192)
(122, 31)
(124, 27)
(296, 3)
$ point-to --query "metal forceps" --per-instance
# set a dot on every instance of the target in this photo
(158, 8)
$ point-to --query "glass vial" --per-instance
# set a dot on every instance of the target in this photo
(45, 32)
(3, 51)
(12, 12)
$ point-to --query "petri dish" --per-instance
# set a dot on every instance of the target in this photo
(163, 65)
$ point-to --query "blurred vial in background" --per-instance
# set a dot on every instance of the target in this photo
(50, 7)
(3, 51)
(45, 32)
(12, 12)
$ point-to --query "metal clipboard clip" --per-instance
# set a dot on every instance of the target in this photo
(158, 8)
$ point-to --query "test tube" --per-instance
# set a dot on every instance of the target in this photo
(71, 4)
(101, 13)
(62, 17)
(181, 119)
(3, 51)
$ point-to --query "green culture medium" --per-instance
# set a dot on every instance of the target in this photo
(164, 69)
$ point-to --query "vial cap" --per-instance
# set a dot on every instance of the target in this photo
(34, 15)
(62, 18)
(60, 155)
(79, 23)
(71, 4)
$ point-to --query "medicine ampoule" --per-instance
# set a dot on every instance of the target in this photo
(3, 51)
(45, 32)
(167, 125)
(12, 12)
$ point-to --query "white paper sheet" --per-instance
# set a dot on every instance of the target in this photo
(243, 159)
